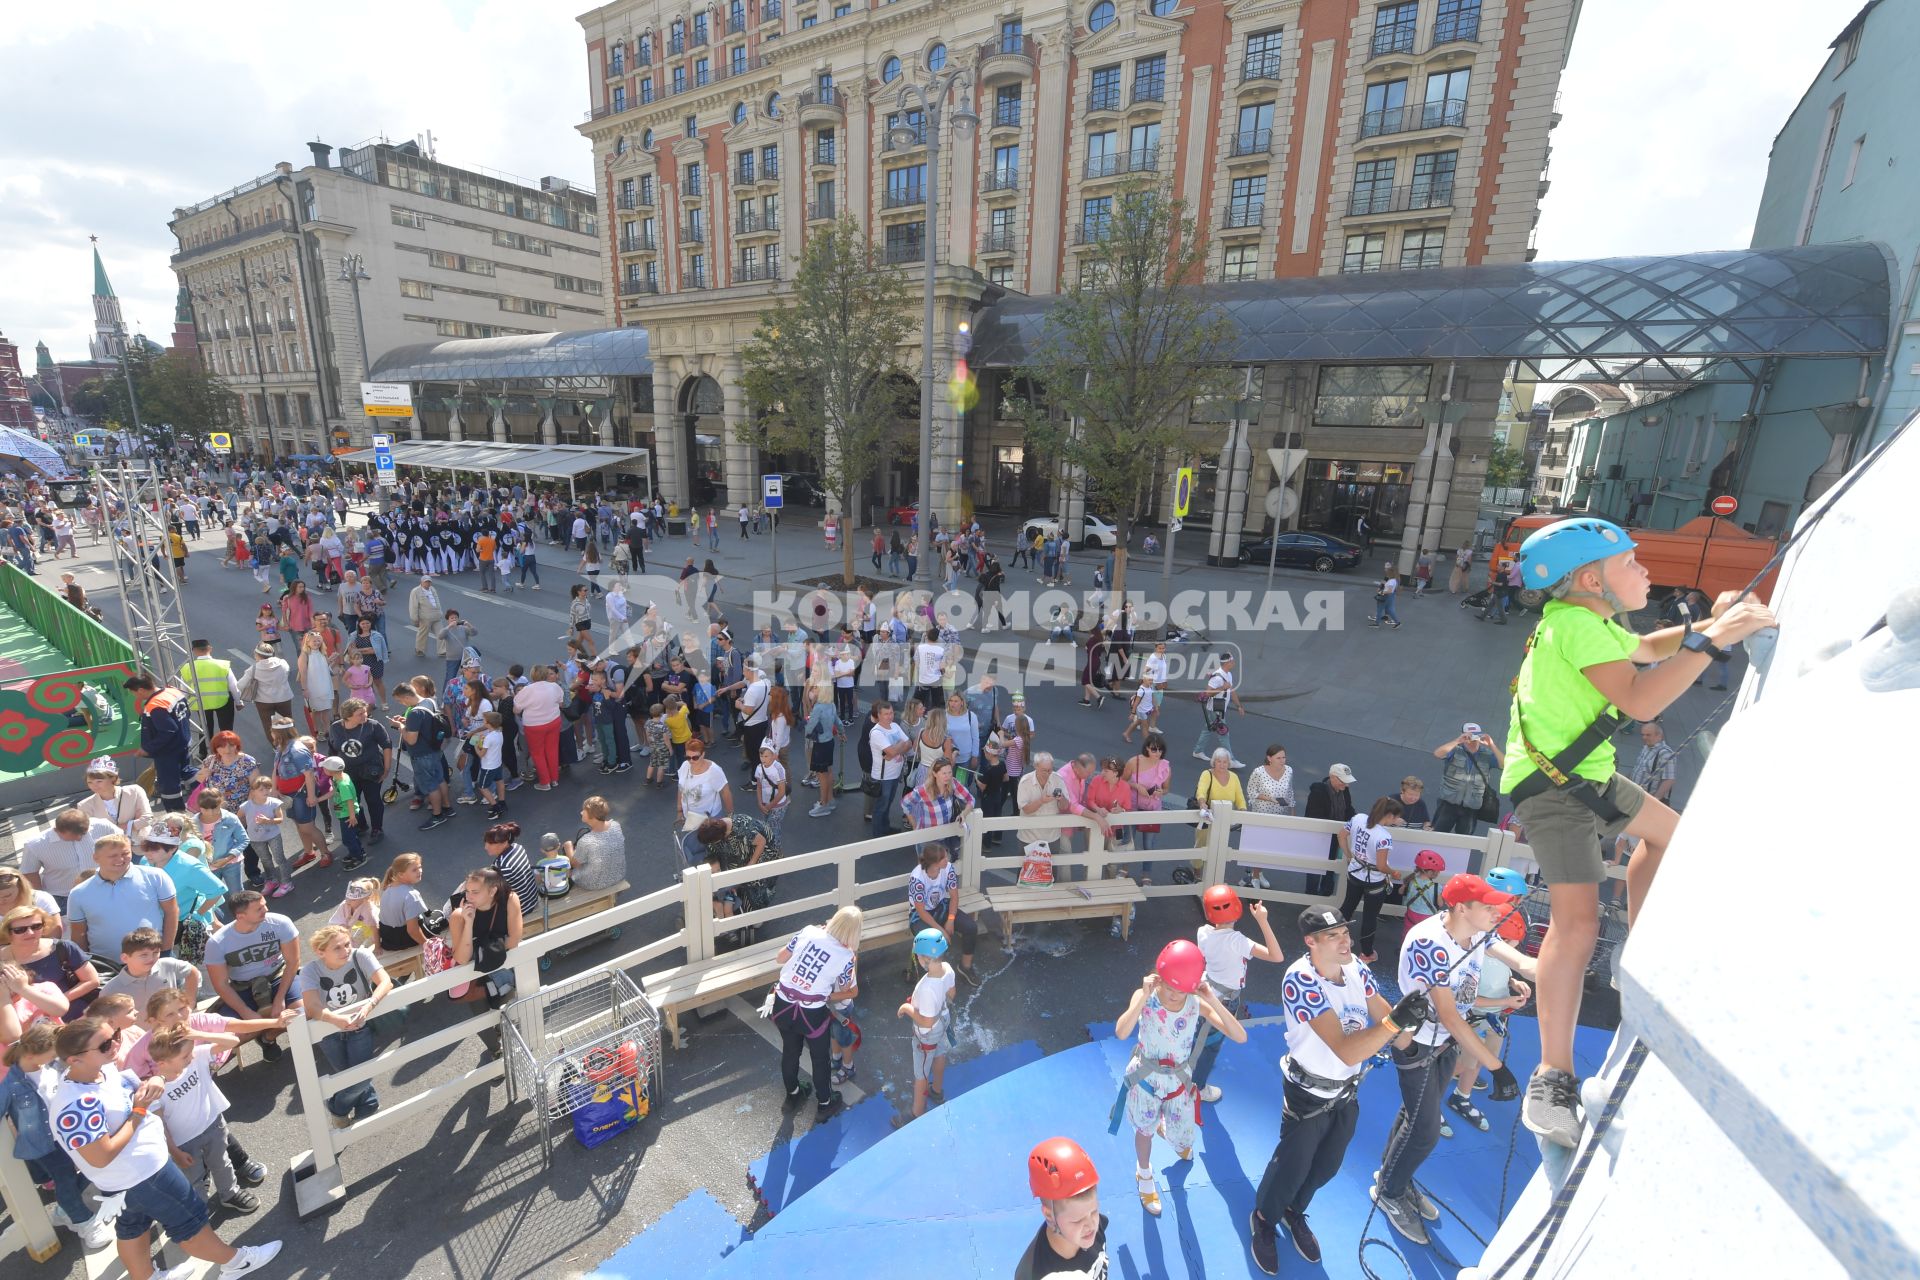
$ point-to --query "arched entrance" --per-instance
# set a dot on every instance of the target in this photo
(702, 420)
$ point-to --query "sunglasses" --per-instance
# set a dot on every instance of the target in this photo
(22, 929)
(106, 1046)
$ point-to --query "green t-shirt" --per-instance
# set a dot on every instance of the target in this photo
(1555, 696)
(345, 796)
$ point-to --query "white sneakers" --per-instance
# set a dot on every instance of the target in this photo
(1210, 1093)
(95, 1233)
(249, 1258)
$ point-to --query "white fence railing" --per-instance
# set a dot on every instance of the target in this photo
(1203, 840)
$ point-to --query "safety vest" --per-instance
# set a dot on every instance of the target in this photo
(208, 677)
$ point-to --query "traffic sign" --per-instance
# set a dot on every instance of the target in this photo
(82, 439)
(386, 399)
(383, 442)
(772, 492)
(1182, 491)
(1724, 505)
(383, 472)
(220, 441)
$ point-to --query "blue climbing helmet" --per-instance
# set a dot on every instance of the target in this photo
(930, 942)
(1551, 553)
(1507, 880)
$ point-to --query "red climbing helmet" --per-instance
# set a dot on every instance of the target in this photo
(1221, 904)
(1181, 965)
(1058, 1169)
(1429, 860)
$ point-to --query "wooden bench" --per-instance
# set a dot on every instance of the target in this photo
(706, 982)
(1064, 900)
(404, 964)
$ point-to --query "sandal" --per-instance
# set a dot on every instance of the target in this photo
(1464, 1108)
(1149, 1193)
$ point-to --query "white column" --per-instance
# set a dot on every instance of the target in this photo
(1047, 179)
(669, 437)
(497, 419)
(942, 489)
(549, 429)
(743, 477)
(1230, 496)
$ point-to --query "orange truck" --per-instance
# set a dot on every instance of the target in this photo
(1707, 552)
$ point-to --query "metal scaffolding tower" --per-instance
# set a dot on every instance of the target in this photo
(132, 495)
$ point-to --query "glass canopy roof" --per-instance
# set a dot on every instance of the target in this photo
(580, 353)
(1612, 319)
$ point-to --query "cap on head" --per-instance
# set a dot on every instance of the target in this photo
(1466, 887)
(1319, 920)
(1058, 1169)
(1181, 965)
(334, 764)
(1471, 729)
(1221, 904)
(1343, 773)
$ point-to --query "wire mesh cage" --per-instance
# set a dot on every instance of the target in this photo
(1613, 932)
(581, 1041)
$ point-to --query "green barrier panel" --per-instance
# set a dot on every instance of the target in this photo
(58, 719)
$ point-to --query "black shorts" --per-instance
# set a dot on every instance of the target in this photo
(820, 756)
(583, 627)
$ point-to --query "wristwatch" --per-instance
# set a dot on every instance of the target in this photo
(1697, 642)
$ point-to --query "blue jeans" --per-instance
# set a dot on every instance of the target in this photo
(529, 565)
(60, 1171)
(166, 1198)
(1383, 609)
(345, 1049)
(883, 807)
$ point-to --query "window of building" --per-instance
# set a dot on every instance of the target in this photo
(1100, 17)
(696, 224)
(906, 185)
(1006, 166)
(1364, 252)
(1143, 147)
(1261, 60)
(906, 241)
(1820, 170)
(749, 262)
(702, 72)
(1010, 36)
(416, 289)
(1000, 277)
(528, 307)
(700, 28)
(693, 173)
(823, 83)
(646, 189)
(1255, 134)
(1006, 106)
(653, 275)
(743, 167)
(646, 139)
(691, 126)
(1850, 44)
(823, 201)
(697, 270)
(1162, 8)
(770, 212)
(937, 58)
(1247, 201)
(737, 16)
(1105, 94)
(1446, 99)
(1001, 221)
(646, 50)
(1102, 154)
(1372, 187)
(1421, 249)
(1150, 78)
(646, 89)
(407, 218)
(739, 113)
(842, 10)
(808, 21)
(1241, 262)
(1369, 395)
(1853, 160)
(823, 149)
(773, 106)
(743, 215)
(1433, 180)
(1457, 20)
(914, 120)
(1096, 217)
(1395, 27)
(619, 97)
(679, 79)
(890, 70)
(1385, 105)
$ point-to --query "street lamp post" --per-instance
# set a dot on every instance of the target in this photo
(353, 270)
(931, 99)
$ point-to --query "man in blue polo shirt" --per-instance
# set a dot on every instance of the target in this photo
(122, 897)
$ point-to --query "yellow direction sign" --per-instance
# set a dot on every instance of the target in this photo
(1182, 491)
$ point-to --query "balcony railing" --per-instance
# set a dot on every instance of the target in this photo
(1445, 113)
(286, 325)
(1104, 98)
(1008, 43)
(749, 273)
(743, 176)
(639, 242)
(1002, 241)
(1394, 39)
(827, 97)
(916, 137)
(643, 59)
(823, 151)
(1004, 179)
(676, 45)
(1361, 266)
(1006, 115)
(697, 39)
(1252, 142)
(1421, 259)
(1418, 195)
(736, 23)
(691, 186)
(748, 224)
(1456, 26)
(616, 67)
(898, 252)
(820, 211)
(1154, 90)
(1141, 160)
(693, 235)
(769, 169)
(1242, 216)
(1092, 230)
(1260, 66)
(694, 280)
(903, 197)
(628, 200)
(633, 288)
(770, 11)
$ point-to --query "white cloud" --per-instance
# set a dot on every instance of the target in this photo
(120, 114)
(1669, 110)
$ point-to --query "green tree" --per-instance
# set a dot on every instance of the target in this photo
(171, 390)
(1127, 350)
(822, 370)
(1506, 466)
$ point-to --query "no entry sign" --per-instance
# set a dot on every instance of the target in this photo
(1724, 505)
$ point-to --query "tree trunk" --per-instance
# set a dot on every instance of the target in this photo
(846, 539)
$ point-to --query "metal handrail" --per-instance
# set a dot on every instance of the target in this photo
(1240, 216)
(1012, 46)
(1261, 66)
(998, 242)
(1394, 39)
(1006, 115)
(1003, 179)
(1445, 113)
(1106, 98)
(904, 198)
(904, 251)
(1154, 90)
(1456, 27)
(1417, 195)
(1252, 142)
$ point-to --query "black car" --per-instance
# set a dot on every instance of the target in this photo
(1320, 552)
(802, 489)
